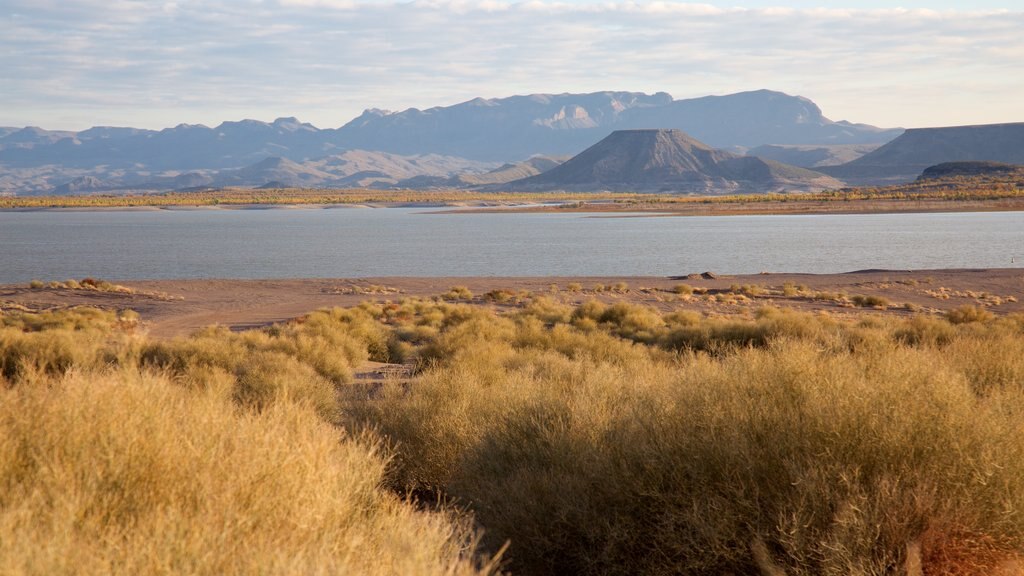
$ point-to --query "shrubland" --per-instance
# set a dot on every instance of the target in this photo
(588, 439)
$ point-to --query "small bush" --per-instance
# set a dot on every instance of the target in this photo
(968, 313)
(683, 289)
(500, 296)
(869, 301)
(458, 293)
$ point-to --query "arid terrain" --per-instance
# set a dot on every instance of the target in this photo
(178, 307)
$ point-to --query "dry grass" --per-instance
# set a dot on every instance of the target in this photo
(597, 439)
(827, 446)
(128, 473)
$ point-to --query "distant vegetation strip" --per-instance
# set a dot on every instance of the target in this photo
(952, 189)
(295, 196)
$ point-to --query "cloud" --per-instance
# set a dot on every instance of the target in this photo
(78, 63)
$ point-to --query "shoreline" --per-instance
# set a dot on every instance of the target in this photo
(178, 307)
(765, 208)
(677, 207)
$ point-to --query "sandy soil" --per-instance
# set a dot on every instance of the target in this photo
(177, 307)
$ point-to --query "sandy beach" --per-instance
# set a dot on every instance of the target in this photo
(177, 307)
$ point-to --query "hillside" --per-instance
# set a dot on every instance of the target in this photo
(516, 127)
(903, 159)
(669, 161)
(992, 170)
(500, 130)
(812, 156)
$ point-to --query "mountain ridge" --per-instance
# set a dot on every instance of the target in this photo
(905, 157)
(660, 160)
(507, 129)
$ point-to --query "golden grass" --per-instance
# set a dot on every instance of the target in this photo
(125, 472)
(826, 446)
(596, 439)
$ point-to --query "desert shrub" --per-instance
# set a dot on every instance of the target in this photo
(51, 343)
(715, 333)
(828, 296)
(27, 355)
(925, 330)
(620, 287)
(458, 293)
(598, 439)
(789, 289)
(574, 287)
(815, 460)
(684, 289)
(208, 348)
(500, 296)
(80, 319)
(869, 301)
(36, 284)
(129, 473)
(747, 289)
(635, 322)
(991, 360)
(547, 310)
(591, 309)
(268, 377)
(968, 313)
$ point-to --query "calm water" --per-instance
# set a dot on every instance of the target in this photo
(351, 242)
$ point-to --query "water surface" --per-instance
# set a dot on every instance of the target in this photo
(354, 242)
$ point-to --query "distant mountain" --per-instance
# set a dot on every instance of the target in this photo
(812, 156)
(80, 185)
(517, 171)
(516, 127)
(749, 119)
(903, 159)
(669, 161)
(184, 147)
(502, 130)
(350, 169)
(470, 180)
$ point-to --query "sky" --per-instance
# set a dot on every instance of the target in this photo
(72, 64)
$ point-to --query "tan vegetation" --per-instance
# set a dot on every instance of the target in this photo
(85, 284)
(94, 285)
(107, 466)
(598, 438)
(993, 192)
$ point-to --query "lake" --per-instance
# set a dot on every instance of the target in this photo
(356, 242)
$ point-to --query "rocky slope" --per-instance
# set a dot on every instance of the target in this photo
(903, 159)
(670, 161)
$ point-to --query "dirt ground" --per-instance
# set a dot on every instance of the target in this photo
(178, 307)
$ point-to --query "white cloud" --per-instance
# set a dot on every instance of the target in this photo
(159, 63)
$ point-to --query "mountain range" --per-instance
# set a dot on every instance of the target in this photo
(484, 143)
(489, 131)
